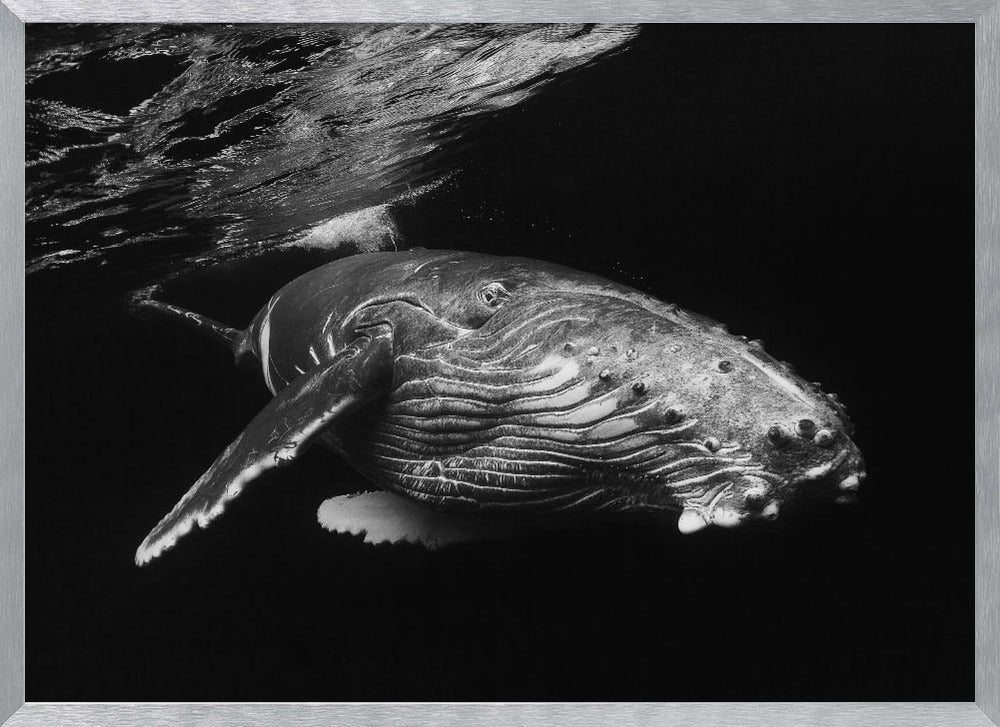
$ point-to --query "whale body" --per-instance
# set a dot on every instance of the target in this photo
(506, 389)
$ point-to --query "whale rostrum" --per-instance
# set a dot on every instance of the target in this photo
(501, 391)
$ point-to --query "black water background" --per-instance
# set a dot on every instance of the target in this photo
(811, 186)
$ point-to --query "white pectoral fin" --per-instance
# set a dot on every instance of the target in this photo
(384, 517)
(275, 437)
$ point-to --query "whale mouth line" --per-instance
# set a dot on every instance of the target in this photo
(726, 506)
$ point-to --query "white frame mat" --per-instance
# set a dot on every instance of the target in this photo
(986, 708)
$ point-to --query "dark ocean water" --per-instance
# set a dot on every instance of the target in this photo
(810, 186)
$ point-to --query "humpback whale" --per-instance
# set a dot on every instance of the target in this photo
(499, 390)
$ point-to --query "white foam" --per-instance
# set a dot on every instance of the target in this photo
(370, 230)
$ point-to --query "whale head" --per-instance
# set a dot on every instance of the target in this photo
(626, 403)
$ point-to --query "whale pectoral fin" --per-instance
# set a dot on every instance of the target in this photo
(143, 304)
(385, 517)
(276, 436)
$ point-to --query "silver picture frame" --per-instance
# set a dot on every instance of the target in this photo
(985, 14)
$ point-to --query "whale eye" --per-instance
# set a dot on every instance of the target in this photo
(494, 295)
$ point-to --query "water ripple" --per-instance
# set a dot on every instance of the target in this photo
(154, 148)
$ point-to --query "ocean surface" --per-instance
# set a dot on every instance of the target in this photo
(153, 149)
(807, 185)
